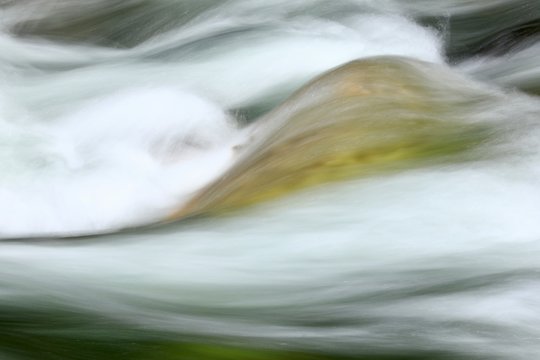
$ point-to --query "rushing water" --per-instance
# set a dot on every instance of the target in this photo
(118, 115)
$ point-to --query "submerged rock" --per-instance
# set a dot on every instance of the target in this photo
(492, 28)
(365, 117)
(110, 23)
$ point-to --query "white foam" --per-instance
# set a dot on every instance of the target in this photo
(94, 154)
(92, 140)
(118, 161)
(275, 56)
(386, 249)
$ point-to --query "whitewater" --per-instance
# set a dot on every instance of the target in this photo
(116, 115)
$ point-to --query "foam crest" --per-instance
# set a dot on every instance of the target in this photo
(118, 161)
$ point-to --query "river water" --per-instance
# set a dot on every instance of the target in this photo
(113, 114)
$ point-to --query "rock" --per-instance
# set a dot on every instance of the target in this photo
(366, 117)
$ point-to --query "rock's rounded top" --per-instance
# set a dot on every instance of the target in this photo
(364, 117)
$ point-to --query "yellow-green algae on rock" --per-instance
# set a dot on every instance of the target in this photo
(365, 117)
